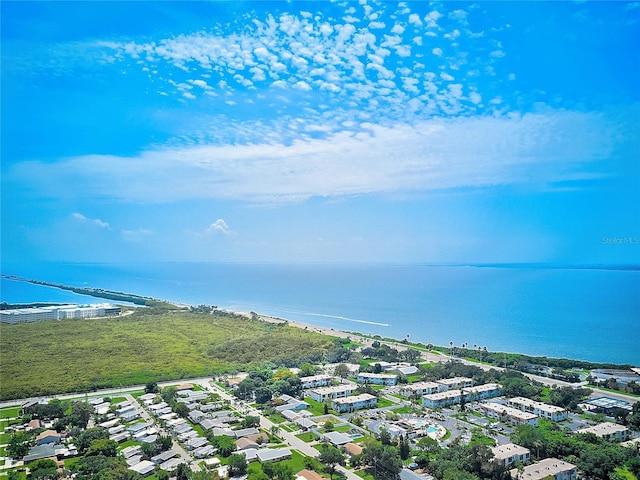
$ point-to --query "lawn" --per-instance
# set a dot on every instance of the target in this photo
(307, 437)
(383, 402)
(9, 412)
(143, 347)
(296, 463)
(316, 408)
(277, 418)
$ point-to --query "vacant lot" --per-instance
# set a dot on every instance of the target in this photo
(76, 355)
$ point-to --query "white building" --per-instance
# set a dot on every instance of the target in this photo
(315, 381)
(356, 402)
(609, 431)
(456, 382)
(544, 410)
(329, 393)
(419, 389)
(58, 312)
(549, 467)
(511, 453)
(505, 413)
(377, 378)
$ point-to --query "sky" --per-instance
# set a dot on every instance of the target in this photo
(345, 131)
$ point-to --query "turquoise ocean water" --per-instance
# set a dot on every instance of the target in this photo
(587, 314)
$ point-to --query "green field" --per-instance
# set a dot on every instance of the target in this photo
(77, 355)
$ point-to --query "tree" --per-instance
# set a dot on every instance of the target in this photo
(403, 447)
(342, 371)
(103, 446)
(89, 435)
(19, 444)
(384, 436)
(237, 465)
(225, 444)
(45, 469)
(307, 370)
(251, 421)
(181, 409)
(151, 387)
(382, 461)
(329, 426)
(263, 395)
(82, 412)
(331, 457)
(163, 443)
(183, 472)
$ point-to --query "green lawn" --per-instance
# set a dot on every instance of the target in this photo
(307, 437)
(383, 402)
(403, 409)
(288, 428)
(343, 428)
(9, 412)
(296, 463)
(316, 408)
(277, 418)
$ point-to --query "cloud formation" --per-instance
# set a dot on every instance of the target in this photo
(93, 221)
(219, 226)
(436, 155)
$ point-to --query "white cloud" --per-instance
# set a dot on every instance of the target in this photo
(534, 149)
(437, 52)
(94, 221)
(136, 235)
(219, 226)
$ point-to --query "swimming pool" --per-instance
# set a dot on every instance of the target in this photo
(432, 429)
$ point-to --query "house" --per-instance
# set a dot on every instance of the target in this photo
(243, 432)
(266, 455)
(294, 405)
(290, 415)
(137, 427)
(356, 402)
(171, 464)
(306, 423)
(203, 451)
(337, 438)
(315, 381)
(34, 425)
(408, 370)
(549, 467)
(442, 399)
(323, 394)
(505, 413)
(244, 443)
(145, 467)
(46, 450)
(550, 412)
(511, 453)
(419, 389)
(163, 457)
(131, 451)
(48, 436)
(308, 475)
(609, 431)
(352, 449)
(196, 442)
(377, 379)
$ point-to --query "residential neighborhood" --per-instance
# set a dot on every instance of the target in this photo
(255, 421)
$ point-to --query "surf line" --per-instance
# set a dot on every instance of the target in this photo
(368, 322)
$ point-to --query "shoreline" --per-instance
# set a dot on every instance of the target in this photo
(367, 339)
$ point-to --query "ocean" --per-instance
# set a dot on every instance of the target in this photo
(586, 314)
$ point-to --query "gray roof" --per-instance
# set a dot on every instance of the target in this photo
(272, 454)
(337, 438)
(243, 432)
(40, 451)
(163, 457)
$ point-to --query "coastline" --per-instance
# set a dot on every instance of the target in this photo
(367, 339)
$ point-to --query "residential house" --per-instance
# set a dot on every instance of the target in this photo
(547, 468)
(266, 455)
(456, 382)
(48, 436)
(144, 468)
(337, 438)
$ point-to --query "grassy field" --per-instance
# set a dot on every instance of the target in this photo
(77, 355)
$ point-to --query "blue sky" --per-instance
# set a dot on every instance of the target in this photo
(294, 131)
